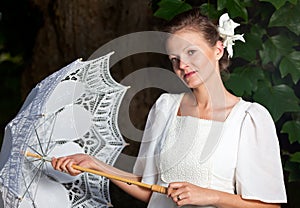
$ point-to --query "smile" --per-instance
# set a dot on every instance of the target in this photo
(187, 75)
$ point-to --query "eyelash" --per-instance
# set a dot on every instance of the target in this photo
(191, 52)
(174, 60)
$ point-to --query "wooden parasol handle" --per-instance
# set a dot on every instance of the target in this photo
(155, 188)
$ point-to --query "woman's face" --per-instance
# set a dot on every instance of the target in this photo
(193, 60)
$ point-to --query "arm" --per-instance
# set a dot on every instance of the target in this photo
(65, 164)
(195, 195)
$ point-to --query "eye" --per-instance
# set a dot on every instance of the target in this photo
(174, 60)
(191, 52)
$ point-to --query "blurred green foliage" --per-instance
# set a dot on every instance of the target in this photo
(265, 69)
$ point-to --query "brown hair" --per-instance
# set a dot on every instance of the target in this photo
(194, 20)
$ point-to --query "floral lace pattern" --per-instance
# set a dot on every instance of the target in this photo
(101, 98)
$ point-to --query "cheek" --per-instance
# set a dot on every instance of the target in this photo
(202, 63)
(199, 62)
(177, 71)
(175, 65)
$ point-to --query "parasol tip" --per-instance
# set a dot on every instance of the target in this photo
(109, 204)
(111, 53)
(30, 154)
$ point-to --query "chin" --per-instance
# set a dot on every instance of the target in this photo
(193, 85)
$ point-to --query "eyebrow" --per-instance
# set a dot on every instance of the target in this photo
(191, 45)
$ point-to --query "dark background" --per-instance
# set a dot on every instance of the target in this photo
(38, 38)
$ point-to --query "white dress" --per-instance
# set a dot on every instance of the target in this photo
(240, 155)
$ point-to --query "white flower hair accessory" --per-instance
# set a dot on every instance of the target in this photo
(226, 29)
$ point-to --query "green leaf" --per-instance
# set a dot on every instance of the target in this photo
(294, 170)
(277, 99)
(8, 57)
(209, 10)
(290, 64)
(276, 3)
(295, 157)
(235, 8)
(264, 83)
(170, 8)
(244, 80)
(221, 4)
(275, 48)
(292, 128)
(287, 16)
(248, 50)
(238, 84)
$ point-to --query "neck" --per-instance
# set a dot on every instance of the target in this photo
(212, 93)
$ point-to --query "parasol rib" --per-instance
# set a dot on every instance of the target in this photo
(154, 187)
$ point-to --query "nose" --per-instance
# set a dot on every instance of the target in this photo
(182, 64)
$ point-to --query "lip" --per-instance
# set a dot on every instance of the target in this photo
(189, 74)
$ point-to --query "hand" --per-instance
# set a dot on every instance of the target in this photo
(64, 164)
(184, 193)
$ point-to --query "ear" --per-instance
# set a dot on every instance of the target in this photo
(219, 50)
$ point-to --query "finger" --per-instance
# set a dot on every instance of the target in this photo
(181, 199)
(53, 162)
(58, 163)
(64, 164)
(182, 196)
(177, 195)
(71, 170)
(176, 189)
(176, 185)
(176, 198)
(170, 191)
(173, 187)
(182, 202)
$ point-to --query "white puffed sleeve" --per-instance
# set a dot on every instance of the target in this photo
(259, 174)
(156, 128)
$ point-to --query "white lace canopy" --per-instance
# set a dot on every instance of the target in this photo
(74, 110)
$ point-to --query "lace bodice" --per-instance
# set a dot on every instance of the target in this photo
(181, 154)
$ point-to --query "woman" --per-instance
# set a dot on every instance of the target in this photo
(211, 148)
